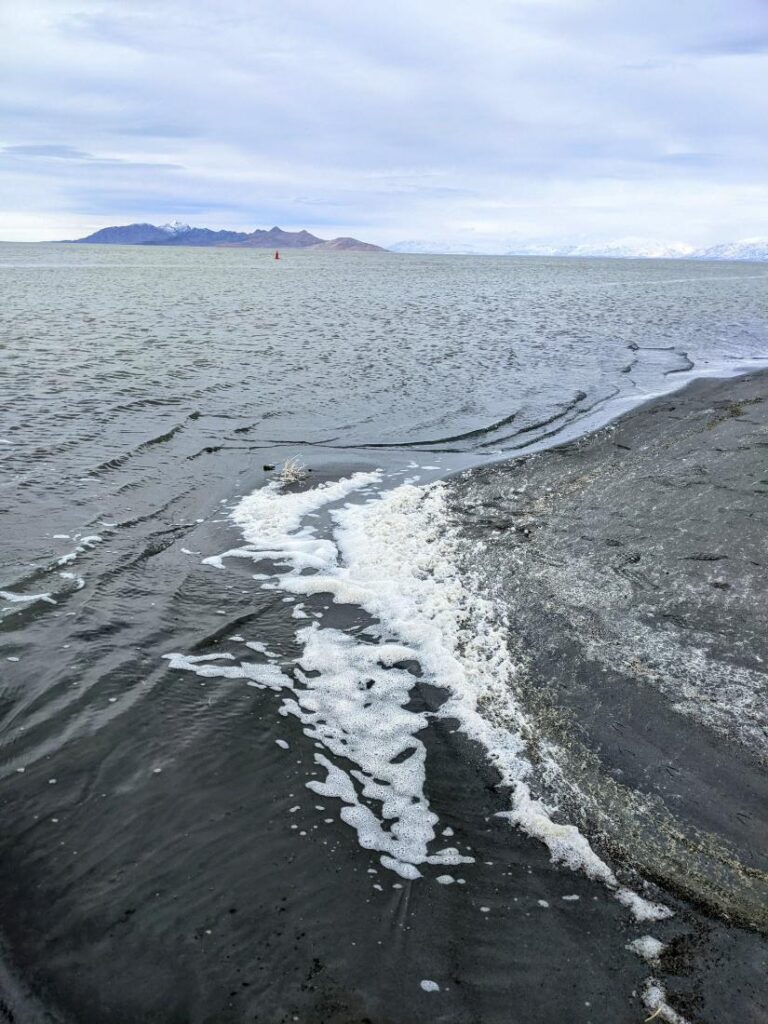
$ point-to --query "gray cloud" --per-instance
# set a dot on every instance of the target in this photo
(744, 46)
(47, 152)
(556, 118)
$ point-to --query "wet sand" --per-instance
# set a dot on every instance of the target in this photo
(632, 564)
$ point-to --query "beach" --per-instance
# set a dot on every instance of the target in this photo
(631, 565)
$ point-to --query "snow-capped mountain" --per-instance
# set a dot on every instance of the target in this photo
(442, 248)
(177, 228)
(632, 248)
(746, 249)
(625, 248)
(622, 248)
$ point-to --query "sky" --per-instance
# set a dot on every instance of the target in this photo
(537, 121)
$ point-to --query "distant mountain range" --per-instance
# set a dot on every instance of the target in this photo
(755, 249)
(183, 234)
(746, 249)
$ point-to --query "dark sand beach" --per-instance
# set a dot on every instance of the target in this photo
(632, 564)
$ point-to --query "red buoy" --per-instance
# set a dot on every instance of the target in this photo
(277, 255)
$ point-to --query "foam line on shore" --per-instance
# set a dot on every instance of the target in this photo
(395, 555)
(399, 562)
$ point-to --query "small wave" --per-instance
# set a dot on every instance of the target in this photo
(466, 436)
(688, 364)
(568, 407)
(13, 598)
(164, 438)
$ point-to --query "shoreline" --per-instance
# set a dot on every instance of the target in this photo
(644, 660)
(519, 916)
(610, 411)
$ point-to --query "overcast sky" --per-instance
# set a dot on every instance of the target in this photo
(540, 120)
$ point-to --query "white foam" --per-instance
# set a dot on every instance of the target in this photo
(73, 576)
(259, 675)
(197, 659)
(13, 598)
(354, 706)
(399, 564)
(86, 544)
(271, 519)
(396, 558)
(642, 909)
(566, 844)
(647, 947)
(655, 1000)
(260, 648)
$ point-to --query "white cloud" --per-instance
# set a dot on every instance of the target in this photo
(558, 120)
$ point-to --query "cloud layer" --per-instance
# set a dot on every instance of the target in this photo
(545, 120)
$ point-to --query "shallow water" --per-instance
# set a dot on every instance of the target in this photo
(162, 856)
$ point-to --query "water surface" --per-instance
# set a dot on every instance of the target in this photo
(161, 854)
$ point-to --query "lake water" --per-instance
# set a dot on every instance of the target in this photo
(232, 788)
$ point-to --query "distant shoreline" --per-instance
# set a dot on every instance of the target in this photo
(366, 247)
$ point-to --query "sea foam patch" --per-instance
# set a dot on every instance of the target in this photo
(14, 598)
(348, 694)
(395, 555)
(398, 560)
(655, 1000)
(354, 704)
(271, 523)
